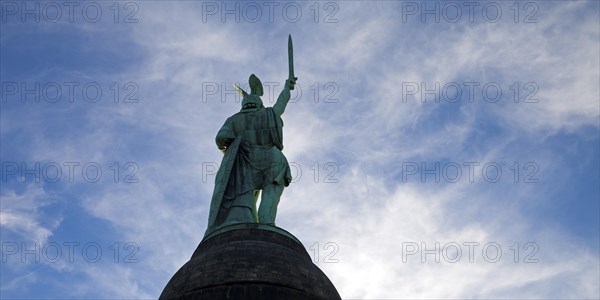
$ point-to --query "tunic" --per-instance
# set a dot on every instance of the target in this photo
(256, 138)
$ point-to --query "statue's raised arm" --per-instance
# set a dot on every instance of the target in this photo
(284, 96)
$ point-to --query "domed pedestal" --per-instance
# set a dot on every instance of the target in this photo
(250, 261)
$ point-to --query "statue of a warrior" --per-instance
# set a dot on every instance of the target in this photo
(252, 141)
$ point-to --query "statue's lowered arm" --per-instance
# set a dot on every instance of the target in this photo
(225, 136)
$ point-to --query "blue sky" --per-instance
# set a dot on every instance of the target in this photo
(107, 142)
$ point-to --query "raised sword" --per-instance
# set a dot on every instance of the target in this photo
(292, 78)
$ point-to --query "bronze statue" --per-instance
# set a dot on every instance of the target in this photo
(252, 141)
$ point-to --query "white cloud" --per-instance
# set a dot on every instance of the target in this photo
(22, 214)
(371, 236)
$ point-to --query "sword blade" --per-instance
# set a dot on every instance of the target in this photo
(291, 58)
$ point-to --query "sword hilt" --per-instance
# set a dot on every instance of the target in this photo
(292, 82)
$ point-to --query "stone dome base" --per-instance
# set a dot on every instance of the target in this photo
(250, 261)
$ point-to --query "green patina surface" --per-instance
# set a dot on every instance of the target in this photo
(253, 164)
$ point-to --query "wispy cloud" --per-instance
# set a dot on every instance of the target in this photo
(22, 213)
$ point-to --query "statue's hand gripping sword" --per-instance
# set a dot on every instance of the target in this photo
(292, 79)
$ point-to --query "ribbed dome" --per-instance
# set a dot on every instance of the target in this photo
(250, 261)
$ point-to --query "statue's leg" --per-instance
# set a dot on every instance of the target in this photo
(242, 210)
(239, 214)
(268, 203)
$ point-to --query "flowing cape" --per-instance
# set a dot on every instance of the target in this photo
(221, 181)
